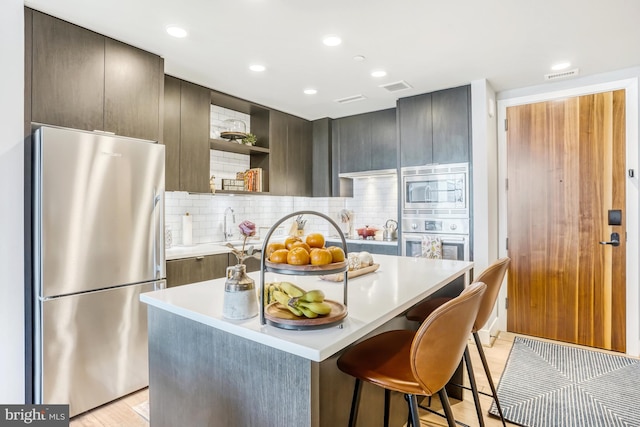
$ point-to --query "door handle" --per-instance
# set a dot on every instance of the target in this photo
(615, 240)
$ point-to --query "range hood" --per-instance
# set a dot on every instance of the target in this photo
(369, 174)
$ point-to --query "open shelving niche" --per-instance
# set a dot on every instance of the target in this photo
(259, 153)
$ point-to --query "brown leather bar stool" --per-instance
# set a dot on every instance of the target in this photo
(492, 277)
(415, 363)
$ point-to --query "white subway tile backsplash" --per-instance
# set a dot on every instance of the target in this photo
(375, 200)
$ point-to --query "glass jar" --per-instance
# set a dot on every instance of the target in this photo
(235, 126)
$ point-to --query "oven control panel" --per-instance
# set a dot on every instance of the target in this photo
(435, 225)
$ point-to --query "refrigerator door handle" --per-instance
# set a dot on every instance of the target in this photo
(158, 241)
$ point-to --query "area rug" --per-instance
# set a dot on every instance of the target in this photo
(142, 409)
(546, 384)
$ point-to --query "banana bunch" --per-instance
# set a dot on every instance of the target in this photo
(300, 302)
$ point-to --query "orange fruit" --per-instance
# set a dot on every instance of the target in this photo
(298, 256)
(290, 241)
(301, 245)
(315, 240)
(337, 254)
(272, 247)
(321, 257)
(279, 256)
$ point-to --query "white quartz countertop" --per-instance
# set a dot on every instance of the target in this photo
(178, 252)
(373, 300)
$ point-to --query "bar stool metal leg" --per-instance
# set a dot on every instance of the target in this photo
(444, 399)
(413, 409)
(474, 386)
(387, 397)
(355, 402)
(485, 365)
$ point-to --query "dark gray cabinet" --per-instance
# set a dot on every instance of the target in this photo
(435, 127)
(451, 125)
(197, 269)
(372, 248)
(366, 141)
(186, 136)
(290, 155)
(321, 155)
(83, 80)
(415, 130)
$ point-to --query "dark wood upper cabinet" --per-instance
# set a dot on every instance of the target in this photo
(171, 131)
(321, 156)
(366, 141)
(84, 80)
(451, 125)
(132, 87)
(435, 127)
(415, 130)
(384, 148)
(67, 75)
(186, 136)
(290, 155)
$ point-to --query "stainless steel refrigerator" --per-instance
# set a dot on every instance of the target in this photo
(98, 243)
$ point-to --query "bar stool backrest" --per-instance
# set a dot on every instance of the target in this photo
(438, 345)
(492, 277)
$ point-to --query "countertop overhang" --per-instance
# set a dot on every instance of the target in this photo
(373, 300)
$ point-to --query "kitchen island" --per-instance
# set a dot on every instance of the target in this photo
(207, 370)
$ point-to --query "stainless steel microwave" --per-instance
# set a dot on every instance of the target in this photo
(436, 187)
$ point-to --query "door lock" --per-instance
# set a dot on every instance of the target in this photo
(615, 240)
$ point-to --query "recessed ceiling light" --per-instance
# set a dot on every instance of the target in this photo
(310, 91)
(176, 31)
(332, 40)
(378, 73)
(359, 58)
(561, 66)
(257, 68)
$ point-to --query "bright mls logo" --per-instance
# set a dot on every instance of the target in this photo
(34, 415)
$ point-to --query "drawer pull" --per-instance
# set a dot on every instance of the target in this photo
(199, 258)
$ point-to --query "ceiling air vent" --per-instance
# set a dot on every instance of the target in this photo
(348, 99)
(562, 74)
(396, 86)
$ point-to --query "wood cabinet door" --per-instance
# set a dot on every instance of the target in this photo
(451, 125)
(321, 158)
(197, 269)
(299, 153)
(195, 108)
(278, 153)
(354, 138)
(132, 83)
(171, 133)
(415, 130)
(384, 146)
(68, 74)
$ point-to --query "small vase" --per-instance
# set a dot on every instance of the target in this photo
(240, 299)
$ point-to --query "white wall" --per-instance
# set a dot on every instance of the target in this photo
(11, 214)
(485, 186)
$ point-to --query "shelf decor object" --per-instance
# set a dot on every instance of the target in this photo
(235, 130)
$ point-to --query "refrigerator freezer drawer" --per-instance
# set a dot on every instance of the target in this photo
(93, 347)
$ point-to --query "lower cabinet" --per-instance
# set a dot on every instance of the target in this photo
(372, 248)
(197, 269)
(207, 267)
(251, 263)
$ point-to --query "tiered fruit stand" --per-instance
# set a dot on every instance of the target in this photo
(271, 315)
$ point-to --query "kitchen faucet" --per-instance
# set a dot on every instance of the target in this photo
(228, 234)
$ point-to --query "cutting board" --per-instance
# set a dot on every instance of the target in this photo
(339, 277)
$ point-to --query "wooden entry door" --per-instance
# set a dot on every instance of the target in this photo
(566, 170)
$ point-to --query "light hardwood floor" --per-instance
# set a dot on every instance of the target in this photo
(120, 413)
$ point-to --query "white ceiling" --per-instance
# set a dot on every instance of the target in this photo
(429, 44)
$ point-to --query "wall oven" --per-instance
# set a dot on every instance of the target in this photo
(440, 189)
(454, 233)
